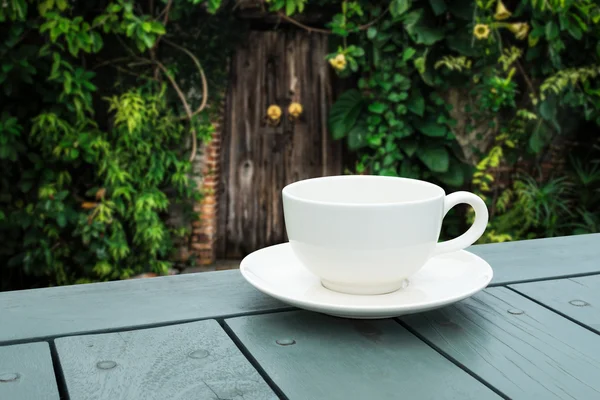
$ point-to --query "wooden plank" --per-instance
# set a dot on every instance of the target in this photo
(576, 298)
(519, 347)
(51, 312)
(185, 362)
(531, 260)
(313, 356)
(105, 307)
(26, 372)
(259, 159)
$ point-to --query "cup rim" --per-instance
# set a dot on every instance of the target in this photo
(286, 191)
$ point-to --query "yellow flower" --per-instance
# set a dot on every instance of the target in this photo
(274, 113)
(501, 11)
(338, 62)
(295, 109)
(520, 29)
(481, 31)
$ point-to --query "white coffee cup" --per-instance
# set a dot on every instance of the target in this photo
(363, 234)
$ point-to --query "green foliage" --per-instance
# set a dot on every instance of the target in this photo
(290, 6)
(395, 121)
(91, 159)
(453, 92)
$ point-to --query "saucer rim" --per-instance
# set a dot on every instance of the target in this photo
(347, 308)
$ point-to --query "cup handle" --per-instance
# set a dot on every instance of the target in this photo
(474, 232)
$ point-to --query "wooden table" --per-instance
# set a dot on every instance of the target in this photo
(533, 334)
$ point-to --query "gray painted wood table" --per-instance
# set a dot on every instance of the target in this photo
(533, 334)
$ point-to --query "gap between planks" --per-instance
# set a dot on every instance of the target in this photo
(451, 359)
(538, 302)
(253, 361)
(550, 278)
(61, 383)
(219, 319)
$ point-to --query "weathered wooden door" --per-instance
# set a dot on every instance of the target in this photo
(258, 159)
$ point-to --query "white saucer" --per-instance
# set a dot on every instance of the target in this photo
(445, 279)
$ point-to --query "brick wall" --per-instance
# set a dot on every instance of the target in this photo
(204, 230)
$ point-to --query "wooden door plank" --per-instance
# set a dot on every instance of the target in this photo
(521, 348)
(532, 260)
(576, 298)
(106, 307)
(313, 356)
(185, 362)
(26, 372)
(272, 68)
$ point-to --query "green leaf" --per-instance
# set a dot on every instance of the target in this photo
(416, 105)
(148, 40)
(462, 42)
(408, 53)
(551, 30)
(353, 64)
(61, 220)
(418, 28)
(67, 82)
(345, 112)
(461, 9)
(396, 97)
(386, 85)
(455, 176)
(147, 26)
(399, 78)
(399, 7)
(548, 109)
(26, 185)
(357, 137)
(401, 131)
(377, 107)
(412, 18)
(409, 146)
(158, 28)
(438, 6)
(427, 35)
(290, 7)
(371, 32)
(576, 32)
(62, 4)
(409, 170)
(388, 171)
(401, 109)
(436, 158)
(431, 128)
(388, 160)
(358, 52)
(540, 137)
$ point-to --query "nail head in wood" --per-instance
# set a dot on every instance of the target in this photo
(579, 303)
(9, 377)
(198, 354)
(285, 342)
(106, 364)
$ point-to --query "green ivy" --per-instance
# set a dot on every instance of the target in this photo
(395, 120)
(94, 140)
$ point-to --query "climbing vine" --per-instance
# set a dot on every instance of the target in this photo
(98, 132)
